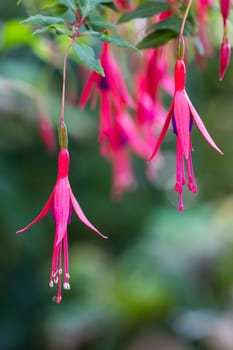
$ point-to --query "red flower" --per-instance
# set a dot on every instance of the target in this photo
(182, 113)
(61, 202)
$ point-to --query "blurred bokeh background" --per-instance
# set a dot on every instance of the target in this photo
(163, 280)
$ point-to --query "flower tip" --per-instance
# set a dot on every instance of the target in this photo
(57, 299)
(181, 207)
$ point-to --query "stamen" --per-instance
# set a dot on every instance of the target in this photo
(66, 285)
(66, 259)
(191, 180)
(51, 284)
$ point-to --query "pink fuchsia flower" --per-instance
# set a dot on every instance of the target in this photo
(225, 49)
(225, 55)
(61, 202)
(182, 114)
(111, 89)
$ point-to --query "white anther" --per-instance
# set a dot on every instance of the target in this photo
(51, 284)
(60, 271)
(67, 276)
(66, 285)
(55, 280)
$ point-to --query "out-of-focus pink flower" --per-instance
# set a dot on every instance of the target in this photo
(202, 9)
(225, 55)
(182, 114)
(61, 202)
(111, 89)
(225, 6)
(47, 133)
(225, 49)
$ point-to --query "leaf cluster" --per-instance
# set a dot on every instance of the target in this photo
(163, 31)
(80, 20)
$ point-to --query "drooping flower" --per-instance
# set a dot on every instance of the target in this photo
(61, 202)
(225, 49)
(225, 55)
(182, 114)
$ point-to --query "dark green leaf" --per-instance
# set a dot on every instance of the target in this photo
(158, 38)
(147, 9)
(87, 56)
(40, 20)
(117, 40)
(173, 24)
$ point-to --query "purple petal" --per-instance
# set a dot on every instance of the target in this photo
(163, 132)
(82, 216)
(201, 126)
(43, 212)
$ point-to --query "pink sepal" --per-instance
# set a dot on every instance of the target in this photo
(82, 216)
(43, 212)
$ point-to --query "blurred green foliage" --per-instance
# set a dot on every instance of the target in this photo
(163, 280)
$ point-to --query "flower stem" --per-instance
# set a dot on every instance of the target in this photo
(185, 18)
(62, 116)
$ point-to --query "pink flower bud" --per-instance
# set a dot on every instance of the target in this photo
(225, 54)
(225, 9)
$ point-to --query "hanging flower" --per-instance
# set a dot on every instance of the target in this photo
(182, 114)
(225, 49)
(61, 202)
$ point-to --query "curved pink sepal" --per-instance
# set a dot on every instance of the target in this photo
(202, 127)
(43, 212)
(163, 132)
(82, 216)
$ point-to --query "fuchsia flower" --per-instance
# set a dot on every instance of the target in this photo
(225, 55)
(61, 202)
(182, 114)
(225, 49)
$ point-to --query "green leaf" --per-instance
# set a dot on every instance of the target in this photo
(148, 9)
(68, 3)
(40, 31)
(40, 20)
(99, 23)
(157, 38)
(93, 33)
(89, 5)
(117, 40)
(172, 23)
(87, 56)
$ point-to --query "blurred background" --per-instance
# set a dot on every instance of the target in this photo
(163, 280)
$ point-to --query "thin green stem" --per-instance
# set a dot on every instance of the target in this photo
(62, 116)
(185, 17)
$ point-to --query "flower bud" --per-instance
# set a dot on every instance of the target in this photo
(225, 9)
(225, 54)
